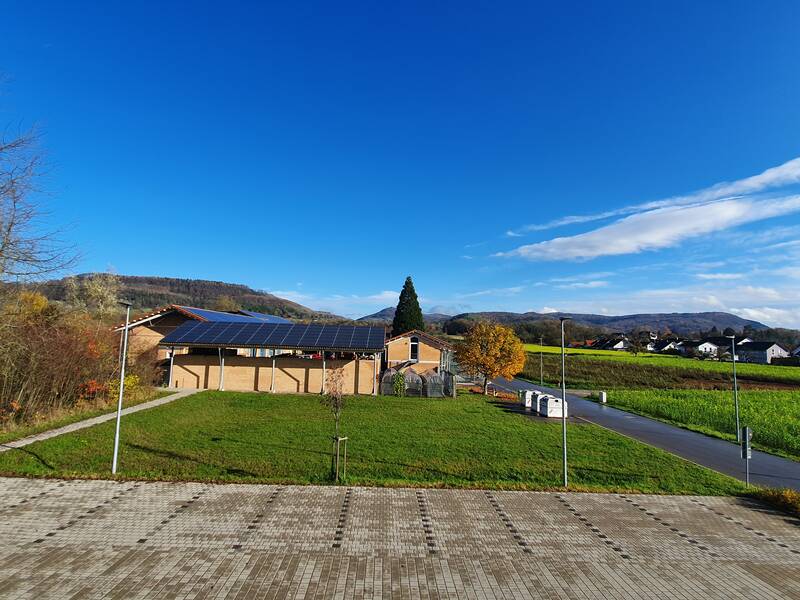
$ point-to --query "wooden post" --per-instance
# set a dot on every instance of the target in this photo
(221, 370)
(272, 383)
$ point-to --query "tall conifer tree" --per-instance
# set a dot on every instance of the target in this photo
(408, 315)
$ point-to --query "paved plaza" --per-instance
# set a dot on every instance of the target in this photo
(86, 539)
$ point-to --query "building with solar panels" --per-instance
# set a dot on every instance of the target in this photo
(147, 332)
(274, 357)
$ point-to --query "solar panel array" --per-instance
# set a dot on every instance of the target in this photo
(264, 317)
(290, 336)
(218, 316)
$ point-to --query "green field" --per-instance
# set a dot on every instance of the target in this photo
(774, 416)
(580, 351)
(597, 369)
(463, 442)
(766, 372)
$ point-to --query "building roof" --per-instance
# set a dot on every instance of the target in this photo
(697, 343)
(264, 317)
(661, 344)
(724, 340)
(205, 314)
(290, 336)
(429, 339)
(759, 346)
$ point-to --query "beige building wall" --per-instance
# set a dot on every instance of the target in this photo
(143, 338)
(398, 351)
(292, 375)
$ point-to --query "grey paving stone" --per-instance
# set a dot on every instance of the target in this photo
(104, 539)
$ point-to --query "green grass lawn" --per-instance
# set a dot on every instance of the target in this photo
(463, 442)
(774, 416)
(16, 432)
(756, 371)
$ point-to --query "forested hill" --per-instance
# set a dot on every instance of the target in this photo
(679, 323)
(154, 292)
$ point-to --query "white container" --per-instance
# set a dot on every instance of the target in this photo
(603, 398)
(528, 396)
(539, 400)
(550, 406)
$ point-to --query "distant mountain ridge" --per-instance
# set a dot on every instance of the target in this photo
(387, 315)
(679, 323)
(155, 292)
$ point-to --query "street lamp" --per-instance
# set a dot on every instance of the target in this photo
(127, 306)
(564, 398)
(735, 387)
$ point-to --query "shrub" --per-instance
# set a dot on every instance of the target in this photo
(785, 499)
(399, 384)
(50, 359)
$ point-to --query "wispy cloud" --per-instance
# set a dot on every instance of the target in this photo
(582, 277)
(507, 291)
(657, 229)
(719, 276)
(583, 285)
(783, 175)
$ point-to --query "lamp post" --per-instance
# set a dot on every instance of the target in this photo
(735, 388)
(127, 306)
(541, 360)
(564, 399)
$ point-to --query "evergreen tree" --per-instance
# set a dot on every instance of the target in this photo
(408, 315)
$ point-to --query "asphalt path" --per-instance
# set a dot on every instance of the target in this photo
(765, 469)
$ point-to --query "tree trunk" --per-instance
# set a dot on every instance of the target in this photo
(485, 386)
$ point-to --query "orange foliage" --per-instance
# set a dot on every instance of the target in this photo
(491, 350)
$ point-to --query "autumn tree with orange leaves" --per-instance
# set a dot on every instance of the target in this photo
(491, 350)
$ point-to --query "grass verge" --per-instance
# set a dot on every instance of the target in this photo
(463, 442)
(54, 421)
(774, 416)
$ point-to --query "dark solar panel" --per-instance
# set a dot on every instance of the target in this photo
(328, 335)
(309, 336)
(270, 335)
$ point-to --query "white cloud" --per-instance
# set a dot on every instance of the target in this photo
(657, 229)
(786, 174)
(494, 292)
(448, 309)
(719, 276)
(548, 309)
(352, 305)
(582, 277)
(753, 293)
(782, 317)
(584, 285)
(793, 272)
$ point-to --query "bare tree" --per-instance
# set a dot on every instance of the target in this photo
(334, 399)
(97, 293)
(27, 250)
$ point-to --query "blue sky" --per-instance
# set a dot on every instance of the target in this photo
(508, 156)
